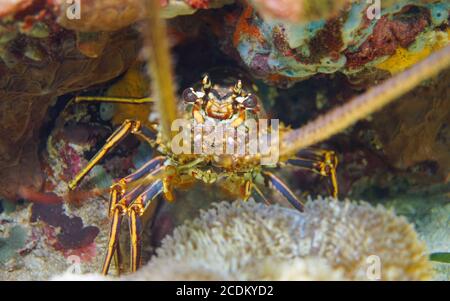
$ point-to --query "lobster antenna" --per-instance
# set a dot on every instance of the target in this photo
(363, 105)
(160, 67)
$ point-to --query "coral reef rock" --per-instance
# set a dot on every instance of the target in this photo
(110, 15)
(283, 52)
(414, 130)
(56, 241)
(40, 60)
(299, 10)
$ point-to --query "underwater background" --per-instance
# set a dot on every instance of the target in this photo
(305, 58)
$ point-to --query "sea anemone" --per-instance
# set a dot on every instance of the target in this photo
(241, 240)
(269, 268)
(251, 241)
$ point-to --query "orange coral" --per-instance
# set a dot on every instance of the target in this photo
(244, 27)
(198, 4)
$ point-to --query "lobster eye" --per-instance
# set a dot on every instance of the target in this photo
(250, 102)
(189, 95)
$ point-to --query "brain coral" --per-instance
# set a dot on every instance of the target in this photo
(248, 241)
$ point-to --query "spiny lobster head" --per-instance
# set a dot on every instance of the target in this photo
(221, 102)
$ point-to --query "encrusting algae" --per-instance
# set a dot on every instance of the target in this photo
(404, 58)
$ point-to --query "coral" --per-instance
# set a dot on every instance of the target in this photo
(401, 148)
(41, 58)
(39, 61)
(362, 106)
(10, 6)
(250, 241)
(10, 242)
(404, 58)
(78, 133)
(414, 129)
(107, 15)
(33, 43)
(231, 237)
(62, 227)
(71, 276)
(284, 53)
(72, 234)
(298, 10)
(102, 15)
(30, 83)
(275, 269)
(298, 269)
(39, 258)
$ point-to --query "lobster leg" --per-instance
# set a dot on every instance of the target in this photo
(323, 162)
(135, 226)
(135, 211)
(126, 199)
(145, 169)
(261, 195)
(281, 187)
(117, 209)
(128, 126)
(115, 194)
(113, 237)
(118, 258)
